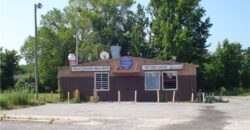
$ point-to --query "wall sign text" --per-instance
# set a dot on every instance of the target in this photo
(90, 68)
(162, 67)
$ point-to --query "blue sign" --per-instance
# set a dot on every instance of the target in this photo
(126, 63)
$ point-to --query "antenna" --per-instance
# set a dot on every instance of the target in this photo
(104, 55)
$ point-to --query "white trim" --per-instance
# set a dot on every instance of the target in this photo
(176, 80)
(95, 81)
(163, 67)
(159, 80)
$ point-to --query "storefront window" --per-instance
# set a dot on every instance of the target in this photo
(152, 80)
(169, 80)
(102, 81)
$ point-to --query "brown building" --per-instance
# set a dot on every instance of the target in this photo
(130, 74)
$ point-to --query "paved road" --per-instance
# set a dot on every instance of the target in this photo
(145, 116)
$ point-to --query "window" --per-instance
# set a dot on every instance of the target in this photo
(169, 80)
(152, 80)
(102, 81)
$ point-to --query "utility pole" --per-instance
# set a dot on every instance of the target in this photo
(36, 6)
(77, 42)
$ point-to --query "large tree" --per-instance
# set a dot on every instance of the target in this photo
(55, 41)
(180, 29)
(97, 25)
(102, 23)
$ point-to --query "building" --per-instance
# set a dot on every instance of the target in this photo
(127, 77)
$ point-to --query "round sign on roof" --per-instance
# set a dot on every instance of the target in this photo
(126, 63)
(104, 55)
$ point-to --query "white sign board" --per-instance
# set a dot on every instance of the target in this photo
(90, 68)
(162, 67)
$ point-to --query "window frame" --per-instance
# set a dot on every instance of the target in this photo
(176, 82)
(101, 81)
(159, 81)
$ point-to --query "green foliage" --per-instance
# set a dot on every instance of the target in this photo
(179, 30)
(175, 28)
(237, 91)
(49, 97)
(15, 97)
(75, 100)
(139, 45)
(3, 102)
(245, 69)
(228, 67)
(105, 23)
(52, 53)
(90, 52)
(21, 97)
(9, 66)
(102, 22)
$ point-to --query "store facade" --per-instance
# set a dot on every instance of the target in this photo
(130, 78)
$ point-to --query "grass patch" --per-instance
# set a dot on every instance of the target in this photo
(49, 97)
(15, 97)
(237, 92)
(20, 98)
(234, 92)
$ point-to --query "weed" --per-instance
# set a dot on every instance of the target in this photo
(51, 121)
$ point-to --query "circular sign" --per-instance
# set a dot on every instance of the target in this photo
(126, 63)
(104, 55)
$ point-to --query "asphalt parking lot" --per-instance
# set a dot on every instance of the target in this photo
(234, 115)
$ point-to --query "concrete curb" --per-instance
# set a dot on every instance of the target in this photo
(44, 118)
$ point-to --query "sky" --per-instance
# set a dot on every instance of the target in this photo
(230, 19)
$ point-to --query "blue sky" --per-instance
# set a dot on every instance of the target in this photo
(230, 18)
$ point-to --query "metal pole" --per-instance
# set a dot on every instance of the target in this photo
(36, 67)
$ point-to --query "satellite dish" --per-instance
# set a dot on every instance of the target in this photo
(104, 55)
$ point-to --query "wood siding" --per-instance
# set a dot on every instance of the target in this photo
(127, 81)
(127, 86)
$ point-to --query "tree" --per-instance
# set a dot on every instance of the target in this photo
(179, 30)
(55, 42)
(9, 66)
(103, 23)
(224, 69)
(245, 69)
(98, 23)
(139, 45)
